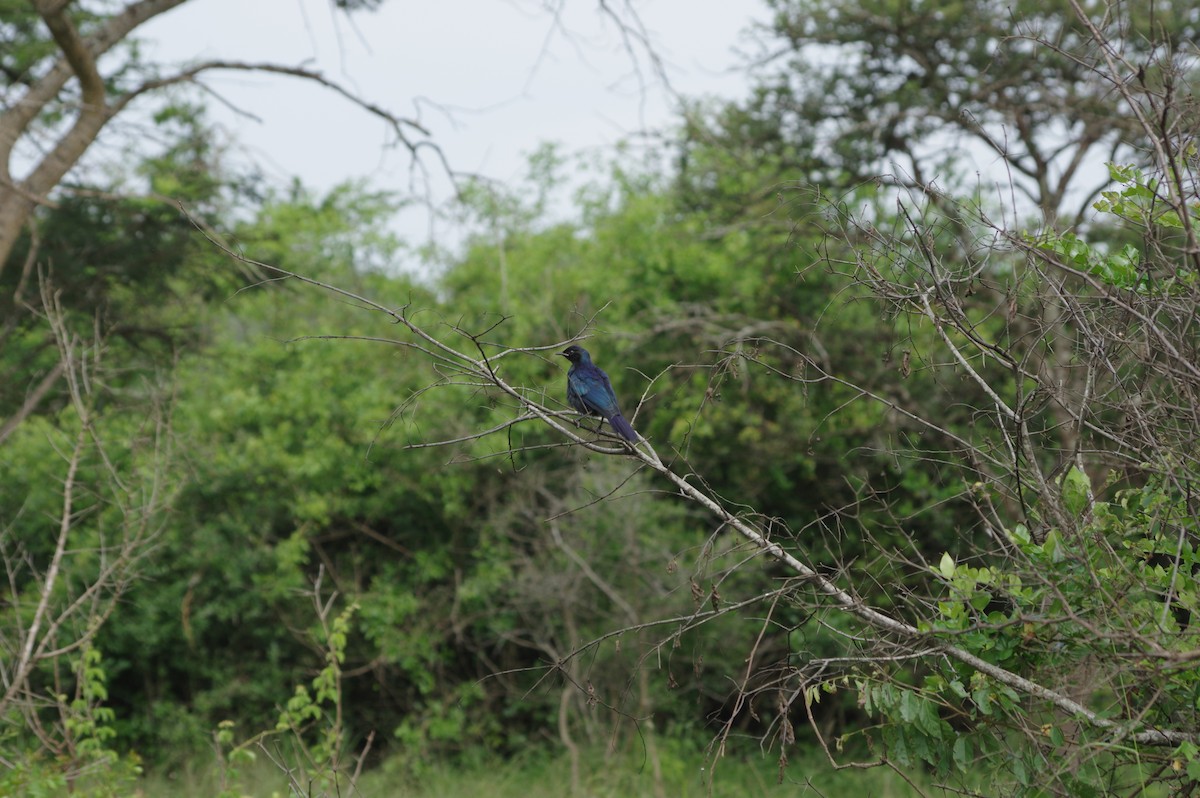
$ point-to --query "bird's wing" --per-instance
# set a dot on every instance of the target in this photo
(610, 393)
(573, 398)
(593, 391)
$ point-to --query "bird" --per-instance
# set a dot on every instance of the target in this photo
(590, 392)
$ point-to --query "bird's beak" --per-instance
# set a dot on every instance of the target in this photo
(563, 354)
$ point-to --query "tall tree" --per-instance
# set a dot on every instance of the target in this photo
(916, 91)
(55, 89)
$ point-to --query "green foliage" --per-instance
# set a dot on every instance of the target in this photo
(88, 762)
(308, 740)
(1042, 614)
(1138, 199)
(296, 468)
(125, 269)
(280, 436)
(1119, 269)
(1138, 203)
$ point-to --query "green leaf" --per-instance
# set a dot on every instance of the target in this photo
(928, 719)
(963, 752)
(1076, 491)
(1020, 771)
(909, 707)
(1053, 546)
(982, 697)
(947, 566)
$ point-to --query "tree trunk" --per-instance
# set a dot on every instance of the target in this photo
(77, 60)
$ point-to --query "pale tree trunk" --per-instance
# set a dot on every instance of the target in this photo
(77, 59)
(14, 211)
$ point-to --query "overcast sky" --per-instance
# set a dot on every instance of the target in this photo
(491, 79)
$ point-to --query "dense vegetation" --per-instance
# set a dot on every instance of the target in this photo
(922, 487)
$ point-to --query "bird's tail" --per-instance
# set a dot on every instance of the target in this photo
(623, 428)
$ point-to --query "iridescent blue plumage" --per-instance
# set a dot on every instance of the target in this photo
(589, 391)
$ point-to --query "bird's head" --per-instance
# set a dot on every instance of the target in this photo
(576, 354)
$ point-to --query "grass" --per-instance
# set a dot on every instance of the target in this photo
(684, 774)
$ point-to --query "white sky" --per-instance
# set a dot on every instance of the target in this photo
(507, 78)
